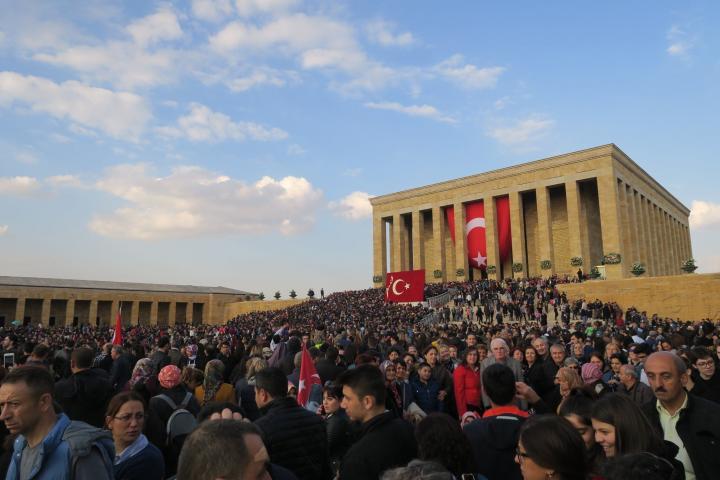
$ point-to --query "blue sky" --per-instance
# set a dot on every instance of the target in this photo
(235, 142)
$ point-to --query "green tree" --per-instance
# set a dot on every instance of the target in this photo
(261, 296)
(277, 295)
(293, 294)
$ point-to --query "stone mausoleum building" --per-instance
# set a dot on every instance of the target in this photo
(56, 302)
(594, 207)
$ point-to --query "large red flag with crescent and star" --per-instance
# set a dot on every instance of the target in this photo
(407, 286)
(308, 377)
(475, 237)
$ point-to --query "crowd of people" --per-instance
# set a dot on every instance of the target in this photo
(510, 380)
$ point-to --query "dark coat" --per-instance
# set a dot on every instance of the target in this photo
(699, 430)
(493, 441)
(120, 372)
(327, 370)
(85, 395)
(385, 442)
(159, 359)
(145, 465)
(295, 439)
(339, 433)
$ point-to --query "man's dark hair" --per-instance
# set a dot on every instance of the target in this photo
(199, 459)
(499, 383)
(331, 354)
(365, 380)
(273, 381)
(163, 342)
(643, 348)
(700, 353)
(38, 379)
(41, 351)
(83, 357)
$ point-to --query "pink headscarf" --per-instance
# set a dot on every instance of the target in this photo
(169, 376)
(591, 373)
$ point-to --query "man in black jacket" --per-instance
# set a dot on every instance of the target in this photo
(160, 358)
(692, 423)
(495, 437)
(386, 441)
(295, 438)
(85, 394)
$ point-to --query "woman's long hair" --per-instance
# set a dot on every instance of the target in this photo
(552, 442)
(633, 431)
(440, 439)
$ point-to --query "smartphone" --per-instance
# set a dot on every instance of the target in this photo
(9, 360)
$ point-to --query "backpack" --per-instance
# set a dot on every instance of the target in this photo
(181, 423)
(82, 439)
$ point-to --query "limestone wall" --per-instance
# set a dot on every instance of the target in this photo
(239, 308)
(688, 297)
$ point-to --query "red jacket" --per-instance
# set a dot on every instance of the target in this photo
(467, 388)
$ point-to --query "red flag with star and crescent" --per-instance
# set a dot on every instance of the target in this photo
(308, 377)
(407, 286)
(475, 236)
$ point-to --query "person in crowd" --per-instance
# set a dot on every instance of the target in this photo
(394, 397)
(426, 390)
(121, 370)
(705, 375)
(500, 354)
(420, 470)
(592, 377)
(42, 448)
(295, 437)
(161, 357)
(640, 466)
(611, 378)
(385, 440)
(245, 455)
(214, 389)
(440, 439)
(565, 380)
(466, 381)
(550, 448)
(495, 436)
(327, 366)
(541, 347)
(631, 386)
(337, 423)
(621, 428)
(533, 370)
(440, 374)
(689, 422)
(191, 378)
(135, 457)
(84, 395)
(552, 365)
(143, 380)
(245, 388)
(576, 408)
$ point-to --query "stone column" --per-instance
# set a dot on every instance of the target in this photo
(575, 224)
(439, 244)
(114, 309)
(171, 313)
(491, 244)
(545, 230)
(45, 312)
(70, 311)
(135, 313)
(637, 228)
(189, 312)
(642, 231)
(628, 230)
(653, 268)
(670, 244)
(20, 309)
(154, 313)
(689, 242)
(518, 234)
(461, 260)
(398, 252)
(418, 229)
(379, 250)
(661, 240)
(678, 246)
(92, 312)
(609, 216)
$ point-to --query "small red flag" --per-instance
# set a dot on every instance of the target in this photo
(408, 286)
(308, 377)
(117, 335)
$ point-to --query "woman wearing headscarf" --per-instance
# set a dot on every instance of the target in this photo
(214, 389)
(592, 377)
(142, 380)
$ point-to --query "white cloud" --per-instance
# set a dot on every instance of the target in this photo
(295, 149)
(205, 125)
(467, 75)
(260, 76)
(59, 138)
(247, 8)
(20, 185)
(118, 114)
(680, 42)
(704, 214)
(380, 32)
(354, 206)
(426, 111)
(522, 131)
(3, 230)
(26, 157)
(161, 25)
(193, 201)
(71, 181)
(212, 10)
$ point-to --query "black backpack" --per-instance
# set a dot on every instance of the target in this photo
(181, 422)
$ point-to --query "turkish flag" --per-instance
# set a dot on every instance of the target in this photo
(408, 286)
(475, 232)
(117, 335)
(308, 377)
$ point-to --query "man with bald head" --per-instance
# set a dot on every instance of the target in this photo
(500, 353)
(692, 423)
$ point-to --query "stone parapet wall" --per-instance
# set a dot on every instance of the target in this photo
(239, 308)
(687, 297)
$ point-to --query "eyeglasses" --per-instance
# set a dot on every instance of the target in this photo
(707, 364)
(521, 455)
(127, 418)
